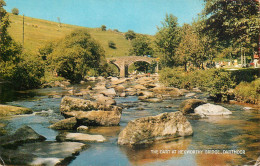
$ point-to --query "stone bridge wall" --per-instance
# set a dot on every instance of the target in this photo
(124, 62)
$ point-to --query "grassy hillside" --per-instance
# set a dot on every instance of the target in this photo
(38, 32)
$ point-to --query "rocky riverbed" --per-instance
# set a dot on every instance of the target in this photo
(127, 121)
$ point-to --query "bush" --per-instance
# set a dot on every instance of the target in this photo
(111, 44)
(248, 92)
(75, 56)
(103, 28)
(15, 11)
(216, 82)
(25, 74)
(130, 35)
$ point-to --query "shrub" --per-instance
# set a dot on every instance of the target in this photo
(216, 82)
(248, 92)
(15, 11)
(25, 74)
(75, 56)
(130, 35)
(103, 28)
(111, 44)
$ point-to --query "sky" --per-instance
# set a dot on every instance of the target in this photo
(141, 16)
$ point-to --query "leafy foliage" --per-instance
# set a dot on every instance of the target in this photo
(103, 28)
(248, 92)
(76, 56)
(130, 35)
(112, 44)
(167, 40)
(8, 48)
(216, 82)
(25, 74)
(15, 11)
(233, 23)
(141, 46)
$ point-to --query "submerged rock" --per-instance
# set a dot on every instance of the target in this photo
(188, 106)
(43, 153)
(190, 94)
(65, 124)
(160, 127)
(211, 110)
(23, 135)
(80, 137)
(8, 110)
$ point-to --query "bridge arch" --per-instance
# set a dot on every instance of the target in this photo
(122, 63)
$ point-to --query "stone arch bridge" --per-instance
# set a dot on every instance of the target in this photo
(122, 63)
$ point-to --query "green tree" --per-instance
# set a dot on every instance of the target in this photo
(8, 48)
(15, 11)
(76, 56)
(141, 46)
(167, 40)
(103, 28)
(234, 23)
(189, 47)
(112, 44)
(130, 35)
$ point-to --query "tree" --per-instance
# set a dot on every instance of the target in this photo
(76, 56)
(15, 11)
(193, 47)
(234, 23)
(167, 40)
(103, 28)
(130, 35)
(112, 44)
(8, 48)
(141, 46)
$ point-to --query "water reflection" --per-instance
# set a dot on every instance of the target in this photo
(158, 151)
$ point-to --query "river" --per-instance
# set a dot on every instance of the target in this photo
(211, 144)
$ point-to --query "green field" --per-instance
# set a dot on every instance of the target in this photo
(38, 32)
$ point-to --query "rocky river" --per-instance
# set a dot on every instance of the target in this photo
(126, 121)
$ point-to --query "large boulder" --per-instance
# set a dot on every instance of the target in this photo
(160, 127)
(99, 118)
(69, 104)
(90, 113)
(8, 110)
(80, 137)
(188, 106)
(65, 124)
(23, 135)
(211, 110)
